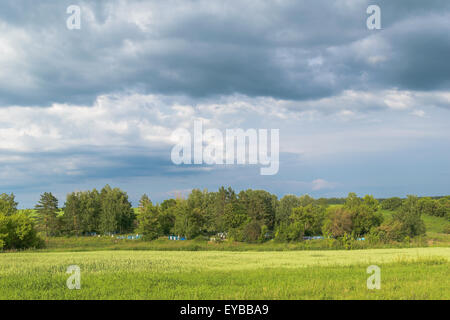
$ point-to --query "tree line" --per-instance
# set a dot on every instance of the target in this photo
(249, 216)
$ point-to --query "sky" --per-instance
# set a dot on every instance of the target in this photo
(358, 110)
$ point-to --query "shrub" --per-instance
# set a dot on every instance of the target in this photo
(289, 232)
(17, 231)
(391, 231)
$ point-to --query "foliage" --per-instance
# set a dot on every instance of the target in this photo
(117, 215)
(365, 215)
(250, 216)
(405, 223)
(47, 210)
(310, 217)
(82, 212)
(409, 217)
(17, 231)
(8, 205)
(338, 222)
(148, 219)
(284, 208)
(391, 204)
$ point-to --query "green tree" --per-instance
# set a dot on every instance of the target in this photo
(409, 217)
(252, 232)
(443, 208)
(352, 201)
(306, 200)
(234, 217)
(47, 210)
(366, 216)
(148, 219)
(223, 201)
(92, 208)
(82, 212)
(117, 215)
(364, 213)
(167, 204)
(188, 221)
(284, 208)
(310, 217)
(338, 222)
(428, 206)
(144, 202)
(259, 205)
(8, 205)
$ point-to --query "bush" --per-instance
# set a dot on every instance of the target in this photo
(388, 232)
(289, 232)
(17, 231)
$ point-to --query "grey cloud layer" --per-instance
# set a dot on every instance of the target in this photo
(87, 107)
(287, 50)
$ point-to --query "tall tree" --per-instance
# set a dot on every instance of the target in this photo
(144, 202)
(148, 219)
(284, 209)
(72, 214)
(47, 209)
(117, 215)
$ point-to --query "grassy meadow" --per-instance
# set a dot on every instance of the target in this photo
(411, 273)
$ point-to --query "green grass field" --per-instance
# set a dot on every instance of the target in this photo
(198, 269)
(413, 273)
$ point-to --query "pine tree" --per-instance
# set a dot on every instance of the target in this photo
(47, 209)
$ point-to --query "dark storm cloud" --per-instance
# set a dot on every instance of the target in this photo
(83, 164)
(291, 50)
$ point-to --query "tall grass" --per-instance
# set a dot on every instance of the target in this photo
(54, 244)
(420, 273)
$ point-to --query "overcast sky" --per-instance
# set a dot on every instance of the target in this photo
(358, 110)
